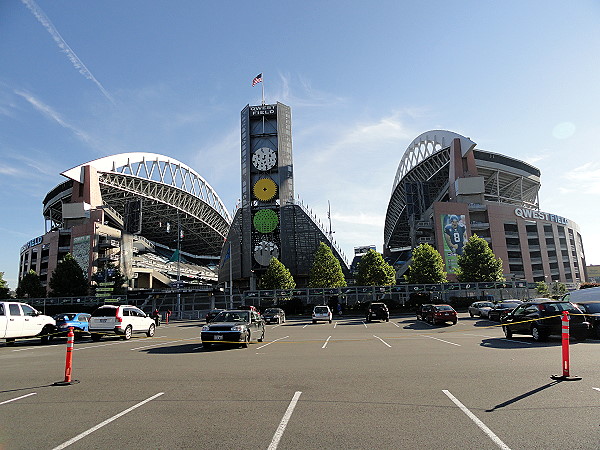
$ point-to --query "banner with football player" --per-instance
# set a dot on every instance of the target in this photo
(454, 232)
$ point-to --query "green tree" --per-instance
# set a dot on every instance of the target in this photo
(4, 289)
(68, 279)
(427, 266)
(557, 290)
(277, 276)
(326, 270)
(374, 271)
(30, 286)
(542, 290)
(478, 262)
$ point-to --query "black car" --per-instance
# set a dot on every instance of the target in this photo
(502, 308)
(422, 310)
(378, 311)
(591, 309)
(541, 318)
(239, 327)
(274, 315)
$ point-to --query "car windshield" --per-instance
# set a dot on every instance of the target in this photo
(591, 307)
(105, 312)
(486, 305)
(232, 316)
(64, 316)
(271, 311)
(444, 308)
(507, 305)
(321, 310)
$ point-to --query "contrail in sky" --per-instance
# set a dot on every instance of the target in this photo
(77, 63)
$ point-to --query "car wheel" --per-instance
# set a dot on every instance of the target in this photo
(314, 321)
(597, 331)
(471, 314)
(538, 336)
(246, 341)
(507, 332)
(330, 320)
(96, 337)
(47, 334)
(206, 345)
(454, 322)
(127, 334)
(151, 330)
(10, 341)
(262, 336)
(387, 320)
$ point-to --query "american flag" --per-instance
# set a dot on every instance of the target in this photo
(257, 79)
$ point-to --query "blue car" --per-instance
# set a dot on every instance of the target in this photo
(79, 322)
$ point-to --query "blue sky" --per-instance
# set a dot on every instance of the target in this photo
(85, 79)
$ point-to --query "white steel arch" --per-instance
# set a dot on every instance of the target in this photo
(158, 168)
(426, 145)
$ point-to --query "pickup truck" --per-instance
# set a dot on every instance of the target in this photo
(19, 320)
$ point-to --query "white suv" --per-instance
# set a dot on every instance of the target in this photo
(321, 313)
(123, 320)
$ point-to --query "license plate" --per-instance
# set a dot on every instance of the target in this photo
(218, 337)
(103, 320)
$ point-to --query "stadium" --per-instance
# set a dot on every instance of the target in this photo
(151, 215)
(446, 189)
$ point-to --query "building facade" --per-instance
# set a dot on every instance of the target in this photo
(150, 215)
(446, 190)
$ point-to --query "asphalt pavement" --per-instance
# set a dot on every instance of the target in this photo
(348, 384)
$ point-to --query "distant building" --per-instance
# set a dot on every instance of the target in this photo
(446, 190)
(150, 215)
(593, 273)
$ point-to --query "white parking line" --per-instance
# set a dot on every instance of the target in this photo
(284, 422)
(305, 326)
(441, 340)
(27, 348)
(98, 345)
(325, 344)
(18, 398)
(335, 325)
(269, 343)
(106, 422)
(161, 343)
(598, 389)
(382, 341)
(394, 323)
(363, 322)
(478, 422)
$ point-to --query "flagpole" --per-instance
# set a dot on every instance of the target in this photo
(263, 90)
(230, 277)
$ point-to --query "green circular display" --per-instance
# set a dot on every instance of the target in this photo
(265, 220)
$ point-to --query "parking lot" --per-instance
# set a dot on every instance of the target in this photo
(348, 384)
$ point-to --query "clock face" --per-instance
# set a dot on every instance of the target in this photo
(264, 251)
(265, 220)
(264, 158)
(264, 189)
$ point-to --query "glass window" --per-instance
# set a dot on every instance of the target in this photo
(28, 311)
(14, 309)
(1, 310)
(105, 312)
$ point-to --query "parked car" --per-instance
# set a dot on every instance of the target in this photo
(212, 314)
(541, 318)
(592, 311)
(121, 320)
(502, 308)
(480, 309)
(19, 320)
(78, 321)
(321, 312)
(441, 314)
(274, 315)
(379, 311)
(233, 327)
(422, 310)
